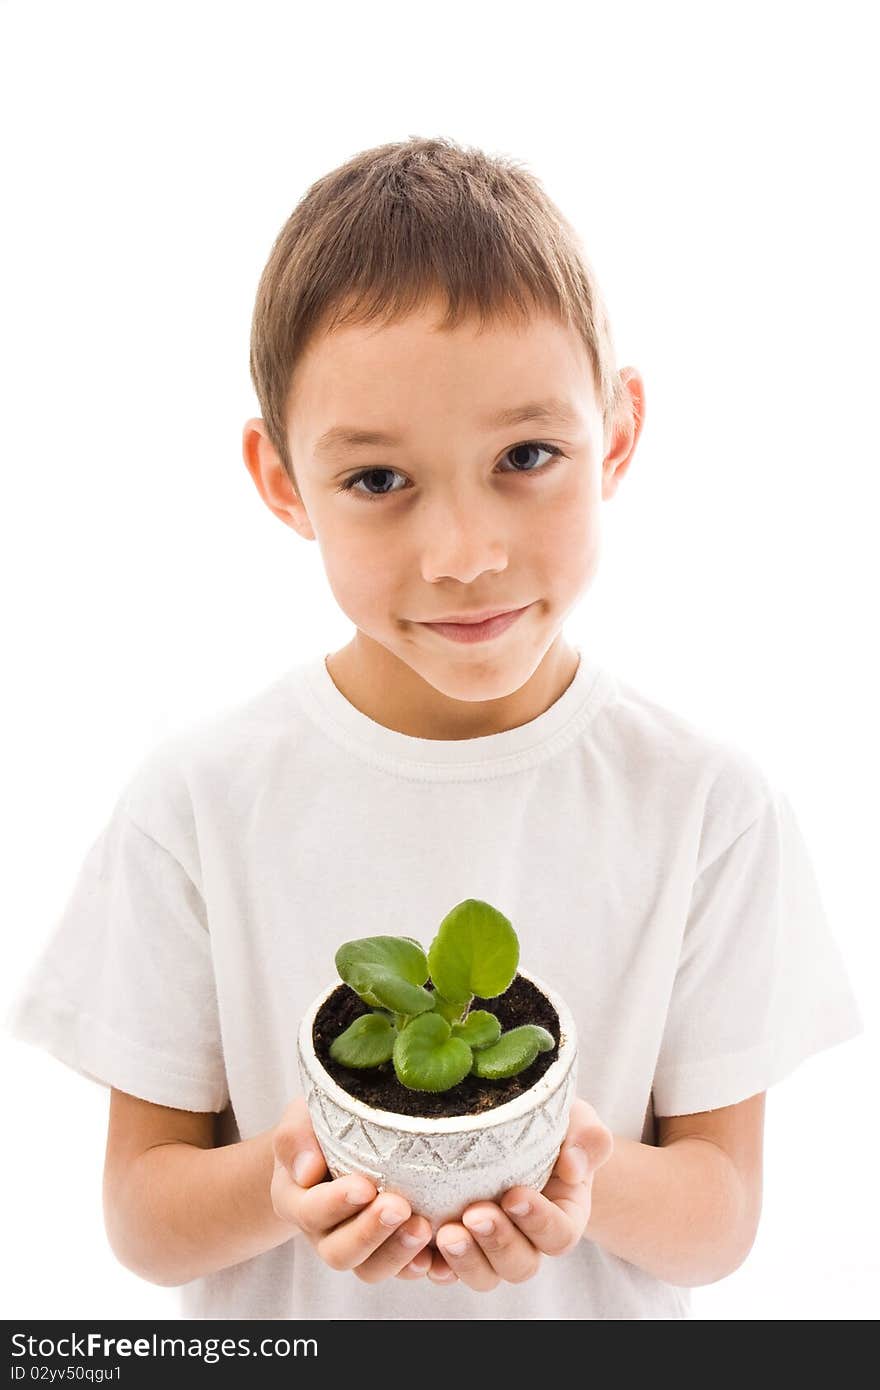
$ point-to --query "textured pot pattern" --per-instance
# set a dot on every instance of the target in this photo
(441, 1166)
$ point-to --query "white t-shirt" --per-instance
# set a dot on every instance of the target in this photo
(653, 875)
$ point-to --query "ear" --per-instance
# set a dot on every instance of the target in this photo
(625, 432)
(271, 480)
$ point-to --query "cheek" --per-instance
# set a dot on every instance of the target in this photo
(566, 542)
(357, 568)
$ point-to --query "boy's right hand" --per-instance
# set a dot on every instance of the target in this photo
(346, 1234)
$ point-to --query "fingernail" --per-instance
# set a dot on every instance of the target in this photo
(357, 1194)
(407, 1238)
(457, 1247)
(420, 1263)
(518, 1208)
(390, 1216)
(579, 1162)
(301, 1167)
(481, 1227)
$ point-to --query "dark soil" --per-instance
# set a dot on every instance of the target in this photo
(379, 1087)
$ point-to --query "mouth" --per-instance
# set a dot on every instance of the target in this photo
(478, 631)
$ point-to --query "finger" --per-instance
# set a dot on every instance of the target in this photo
(402, 1255)
(553, 1220)
(320, 1209)
(464, 1256)
(417, 1268)
(511, 1254)
(350, 1244)
(439, 1272)
(587, 1145)
(295, 1146)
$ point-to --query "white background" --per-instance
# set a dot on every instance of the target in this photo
(717, 160)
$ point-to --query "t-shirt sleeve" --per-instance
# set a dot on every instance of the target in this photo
(124, 990)
(760, 984)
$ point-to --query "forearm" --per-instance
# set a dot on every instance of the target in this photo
(186, 1211)
(678, 1211)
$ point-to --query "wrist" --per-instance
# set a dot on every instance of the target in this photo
(674, 1211)
(202, 1210)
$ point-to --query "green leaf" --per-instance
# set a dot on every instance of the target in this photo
(480, 1029)
(386, 971)
(447, 1008)
(513, 1052)
(396, 994)
(367, 1042)
(428, 1058)
(475, 951)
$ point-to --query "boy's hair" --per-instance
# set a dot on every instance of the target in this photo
(376, 238)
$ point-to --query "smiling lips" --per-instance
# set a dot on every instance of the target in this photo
(477, 616)
(478, 631)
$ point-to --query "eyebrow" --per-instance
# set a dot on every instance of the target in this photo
(548, 412)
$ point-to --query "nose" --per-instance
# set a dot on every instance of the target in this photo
(462, 540)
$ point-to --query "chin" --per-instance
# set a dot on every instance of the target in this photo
(478, 680)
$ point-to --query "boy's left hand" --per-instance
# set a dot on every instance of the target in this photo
(553, 1225)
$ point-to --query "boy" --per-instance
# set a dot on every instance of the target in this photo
(442, 413)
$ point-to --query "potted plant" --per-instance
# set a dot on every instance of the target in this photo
(446, 1077)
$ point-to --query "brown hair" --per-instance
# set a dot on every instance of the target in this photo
(377, 237)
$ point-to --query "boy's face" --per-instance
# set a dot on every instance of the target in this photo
(461, 513)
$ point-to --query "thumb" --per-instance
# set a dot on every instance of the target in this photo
(587, 1145)
(295, 1147)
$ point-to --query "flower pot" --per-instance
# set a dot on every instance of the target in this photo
(443, 1165)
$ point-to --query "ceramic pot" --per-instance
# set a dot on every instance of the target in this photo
(442, 1165)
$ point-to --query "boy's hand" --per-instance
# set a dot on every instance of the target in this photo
(553, 1225)
(346, 1233)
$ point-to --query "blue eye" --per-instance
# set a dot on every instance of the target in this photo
(384, 473)
(541, 448)
(387, 474)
